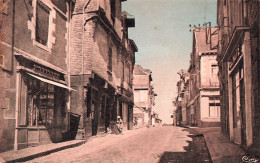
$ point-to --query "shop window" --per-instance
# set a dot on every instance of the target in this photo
(238, 96)
(214, 108)
(40, 103)
(42, 23)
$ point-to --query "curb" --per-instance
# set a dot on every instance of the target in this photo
(36, 155)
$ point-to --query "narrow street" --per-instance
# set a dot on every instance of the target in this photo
(158, 144)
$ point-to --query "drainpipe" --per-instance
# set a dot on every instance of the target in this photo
(82, 68)
(69, 5)
(18, 86)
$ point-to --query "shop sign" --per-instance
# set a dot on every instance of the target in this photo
(46, 71)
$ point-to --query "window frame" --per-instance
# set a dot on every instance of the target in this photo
(110, 59)
(37, 102)
(212, 82)
(51, 27)
(39, 26)
(214, 104)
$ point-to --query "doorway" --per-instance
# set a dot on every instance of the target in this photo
(238, 98)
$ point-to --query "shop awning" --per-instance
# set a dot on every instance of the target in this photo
(236, 36)
(51, 82)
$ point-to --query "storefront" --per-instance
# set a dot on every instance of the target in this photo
(240, 87)
(41, 111)
(101, 105)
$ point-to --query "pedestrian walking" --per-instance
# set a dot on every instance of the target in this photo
(119, 124)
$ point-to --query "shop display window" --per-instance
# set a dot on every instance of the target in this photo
(40, 103)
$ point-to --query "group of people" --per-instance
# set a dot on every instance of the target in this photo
(119, 124)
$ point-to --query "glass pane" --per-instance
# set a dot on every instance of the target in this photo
(42, 23)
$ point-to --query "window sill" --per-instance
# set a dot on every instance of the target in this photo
(35, 43)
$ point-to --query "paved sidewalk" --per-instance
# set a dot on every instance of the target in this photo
(42, 150)
(220, 147)
(34, 152)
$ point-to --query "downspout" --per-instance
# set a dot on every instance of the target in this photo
(68, 51)
(18, 79)
(82, 68)
(13, 36)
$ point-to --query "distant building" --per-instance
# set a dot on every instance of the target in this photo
(181, 101)
(239, 70)
(144, 96)
(102, 61)
(204, 102)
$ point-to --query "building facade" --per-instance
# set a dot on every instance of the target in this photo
(102, 61)
(182, 99)
(144, 96)
(204, 104)
(239, 70)
(33, 75)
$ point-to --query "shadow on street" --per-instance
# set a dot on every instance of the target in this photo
(196, 151)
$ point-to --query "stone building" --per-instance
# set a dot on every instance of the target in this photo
(144, 96)
(102, 59)
(238, 60)
(182, 99)
(33, 73)
(204, 101)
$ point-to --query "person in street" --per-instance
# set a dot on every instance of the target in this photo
(119, 124)
(135, 121)
(153, 121)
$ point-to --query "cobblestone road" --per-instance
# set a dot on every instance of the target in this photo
(147, 145)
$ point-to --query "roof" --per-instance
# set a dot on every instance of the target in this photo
(129, 19)
(138, 70)
(205, 43)
(82, 3)
(133, 45)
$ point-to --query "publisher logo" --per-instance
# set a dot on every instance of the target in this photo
(250, 159)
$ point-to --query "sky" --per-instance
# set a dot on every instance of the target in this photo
(162, 35)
